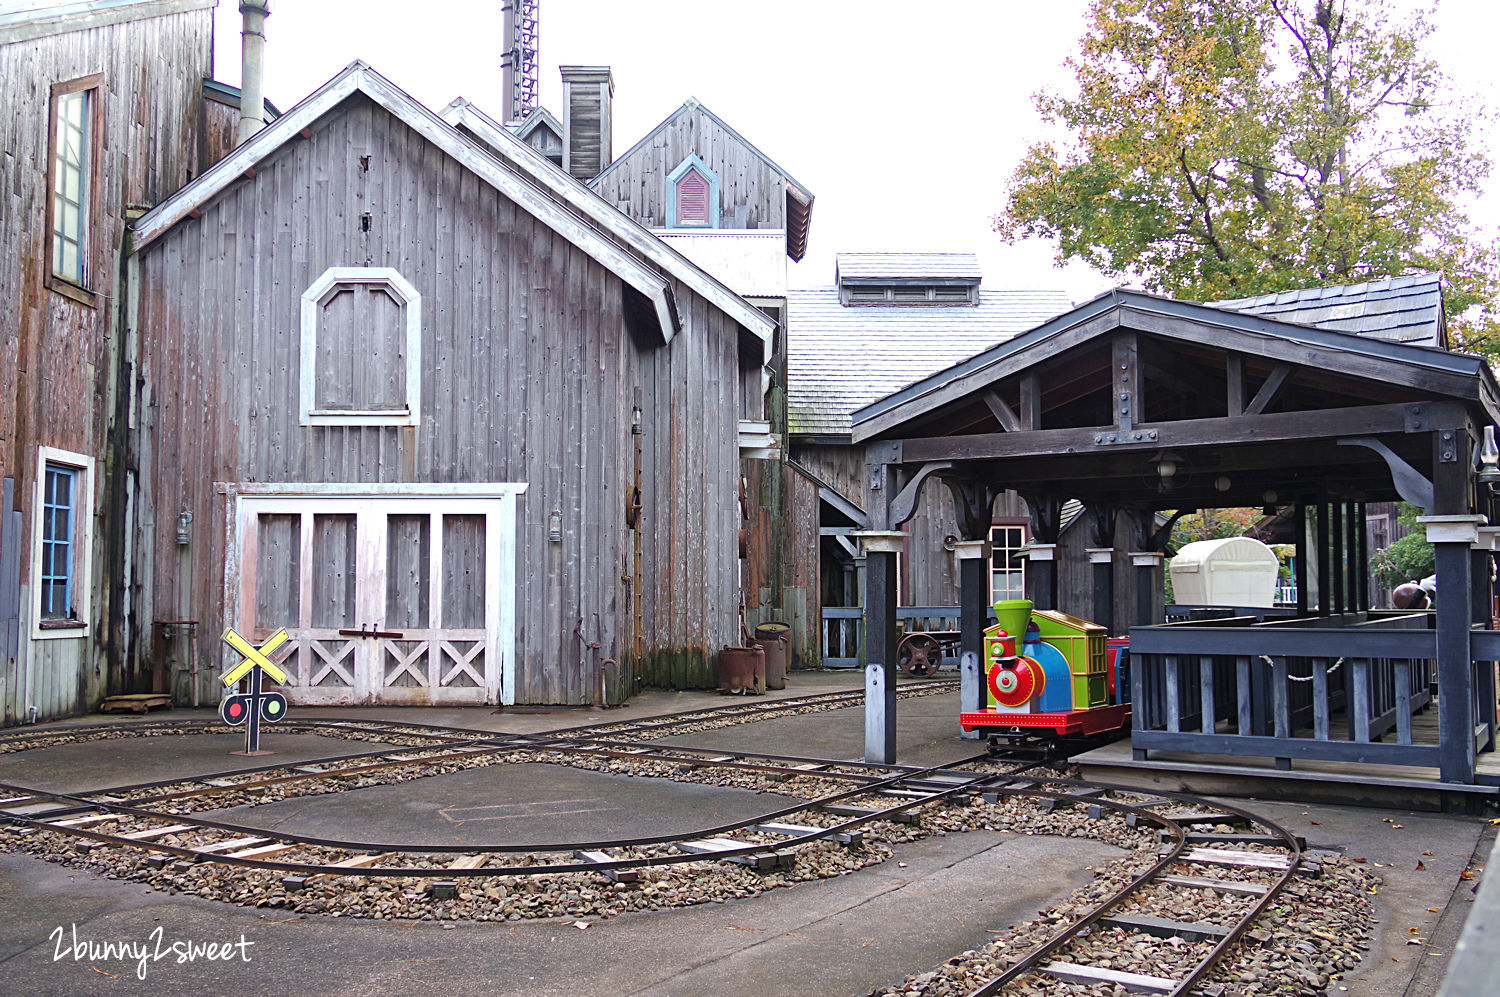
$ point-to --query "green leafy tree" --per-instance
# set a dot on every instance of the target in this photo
(1223, 148)
(1213, 524)
(1408, 559)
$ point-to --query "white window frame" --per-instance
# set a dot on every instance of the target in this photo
(313, 299)
(81, 542)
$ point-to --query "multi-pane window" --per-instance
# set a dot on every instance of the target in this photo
(1007, 562)
(72, 179)
(70, 187)
(60, 543)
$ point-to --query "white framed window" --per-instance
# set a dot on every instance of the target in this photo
(73, 176)
(1007, 562)
(361, 349)
(61, 543)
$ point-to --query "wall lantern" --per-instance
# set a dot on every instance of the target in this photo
(1489, 458)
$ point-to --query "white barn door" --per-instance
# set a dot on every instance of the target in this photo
(388, 599)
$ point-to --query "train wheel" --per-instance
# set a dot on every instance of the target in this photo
(919, 654)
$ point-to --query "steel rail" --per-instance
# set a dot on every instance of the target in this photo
(979, 781)
(1072, 931)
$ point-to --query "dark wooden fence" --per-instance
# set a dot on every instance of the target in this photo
(1334, 688)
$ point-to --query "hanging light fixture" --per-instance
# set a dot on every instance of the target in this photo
(1222, 483)
(1269, 509)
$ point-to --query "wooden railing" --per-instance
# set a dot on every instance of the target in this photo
(1286, 689)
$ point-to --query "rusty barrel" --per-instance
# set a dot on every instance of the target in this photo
(742, 670)
(776, 638)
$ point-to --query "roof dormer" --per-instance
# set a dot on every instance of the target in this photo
(912, 279)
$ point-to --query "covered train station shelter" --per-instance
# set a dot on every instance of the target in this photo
(1143, 407)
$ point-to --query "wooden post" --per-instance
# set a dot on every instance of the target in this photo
(1102, 560)
(973, 560)
(1452, 536)
(1325, 563)
(1302, 554)
(1337, 564)
(1041, 576)
(880, 548)
(1147, 580)
(1485, 688)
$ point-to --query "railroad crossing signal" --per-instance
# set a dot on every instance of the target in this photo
(255, 706)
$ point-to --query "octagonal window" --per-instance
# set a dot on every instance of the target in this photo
(361, 349)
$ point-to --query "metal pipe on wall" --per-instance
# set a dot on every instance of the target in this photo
(253, 14)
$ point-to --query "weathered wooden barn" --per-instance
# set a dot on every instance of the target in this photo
(717, 198)
(1134, 404)
(465, 431)
(108, 109)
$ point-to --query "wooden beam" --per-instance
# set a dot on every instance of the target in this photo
(1125, 380)
(1031, 402)
(1234, 373)
(1362, 420)
(1003, 413)
(1269, 390)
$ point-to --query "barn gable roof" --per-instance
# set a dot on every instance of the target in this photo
(508, 146)
(799, 200)
(1375, 360)
(521, 186)
(841, 359)
(29, 19)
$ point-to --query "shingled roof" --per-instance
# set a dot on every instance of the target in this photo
(1397, 309)
(906, 266)
(841, 359)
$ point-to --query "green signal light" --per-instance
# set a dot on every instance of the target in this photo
(274, 707)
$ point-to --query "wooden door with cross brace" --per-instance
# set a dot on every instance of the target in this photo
(388, 599)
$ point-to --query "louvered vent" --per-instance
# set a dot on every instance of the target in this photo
(692, 199)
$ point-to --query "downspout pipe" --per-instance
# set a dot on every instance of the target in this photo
(252, 66)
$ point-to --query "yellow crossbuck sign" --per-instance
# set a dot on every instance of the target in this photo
(254, 656)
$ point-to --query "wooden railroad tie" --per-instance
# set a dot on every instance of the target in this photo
(1131, 820)
(756, 860)
(1162, 928)
(1222, 885)
(841, 810)
(1213, 837)
(1134, 982)
(1049, 804)
(613, 875)
(295, 883)
(852, 837)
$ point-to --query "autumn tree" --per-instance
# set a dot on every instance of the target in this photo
(1223, 148)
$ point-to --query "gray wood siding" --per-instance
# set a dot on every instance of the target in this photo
(529, 375)
(751, 194)
(56, 365)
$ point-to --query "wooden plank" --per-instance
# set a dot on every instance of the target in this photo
(84, 821)
(802, 830)
(152, 834)
(1003, 413)
(229, 845)
(1238, 859)
(1222, 885)
(614, 875)
(469, 862)
(1132, 982)
(1163, 928)
(263, 851)
(1362, 420)
(1269, 390)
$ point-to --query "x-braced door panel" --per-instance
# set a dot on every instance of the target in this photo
(387, 601)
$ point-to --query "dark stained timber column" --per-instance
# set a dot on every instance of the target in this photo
(1453, 537)
(880, 548)
(974, 591)
(1102, 563)
(1041, 574)
(1147, 581)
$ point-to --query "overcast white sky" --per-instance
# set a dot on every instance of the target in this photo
(903, 118)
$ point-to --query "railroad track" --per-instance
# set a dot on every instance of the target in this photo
(765, 841)
(742, 710)
(1241, 872)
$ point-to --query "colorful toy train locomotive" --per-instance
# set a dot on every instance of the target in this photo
(1064, 679)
